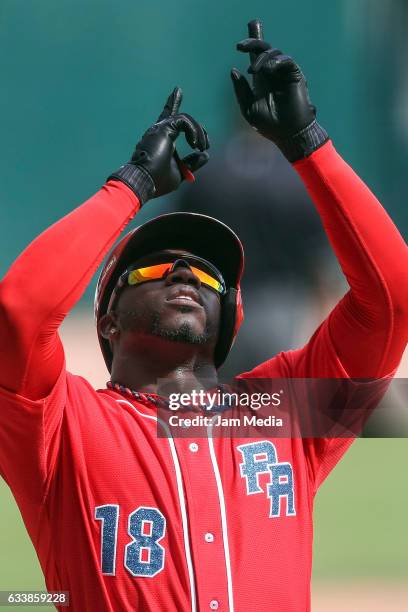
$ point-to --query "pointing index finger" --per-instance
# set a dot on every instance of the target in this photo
(255, 29)
(172, 105)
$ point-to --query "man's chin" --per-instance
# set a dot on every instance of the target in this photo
(182, 333)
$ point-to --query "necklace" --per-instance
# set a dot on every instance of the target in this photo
(144, 398)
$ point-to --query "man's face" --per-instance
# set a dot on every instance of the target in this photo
(178, 307)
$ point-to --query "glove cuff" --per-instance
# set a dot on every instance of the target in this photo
(303, 143)
(138, 179)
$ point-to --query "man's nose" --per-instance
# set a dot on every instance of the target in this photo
(182, 273)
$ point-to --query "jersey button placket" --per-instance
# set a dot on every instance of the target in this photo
(205, 523)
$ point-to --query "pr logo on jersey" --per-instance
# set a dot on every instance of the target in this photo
(261, 458)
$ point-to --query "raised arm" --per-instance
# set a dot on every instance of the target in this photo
(50, 276)
(366, 333)
(47, 280)
(369, 326)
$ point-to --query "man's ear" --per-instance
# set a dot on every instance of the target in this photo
(107, 326)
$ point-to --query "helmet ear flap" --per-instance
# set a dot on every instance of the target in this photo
(239, 313)
(231, 319)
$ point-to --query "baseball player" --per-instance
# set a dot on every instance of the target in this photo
(121, 518)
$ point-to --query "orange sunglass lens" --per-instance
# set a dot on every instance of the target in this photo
(206, 278)
(148, 273)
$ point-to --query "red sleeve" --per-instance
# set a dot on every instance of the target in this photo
(368, 329)
(30, 433)
(47, 280)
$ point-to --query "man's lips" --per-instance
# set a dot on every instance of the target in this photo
(185, 297)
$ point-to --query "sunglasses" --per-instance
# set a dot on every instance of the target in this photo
(201, 268)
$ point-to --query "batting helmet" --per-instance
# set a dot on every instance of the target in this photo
(199, 234)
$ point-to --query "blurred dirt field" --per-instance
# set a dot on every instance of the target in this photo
(361, 597)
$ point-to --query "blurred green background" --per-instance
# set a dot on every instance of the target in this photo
(82, 79)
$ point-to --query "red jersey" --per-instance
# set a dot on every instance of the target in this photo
(125, 520)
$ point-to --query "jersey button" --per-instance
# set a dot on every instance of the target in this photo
(209, 537)
(193, 447)
(214, 604)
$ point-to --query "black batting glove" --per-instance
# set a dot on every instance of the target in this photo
(155, 167)
(277, 105)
